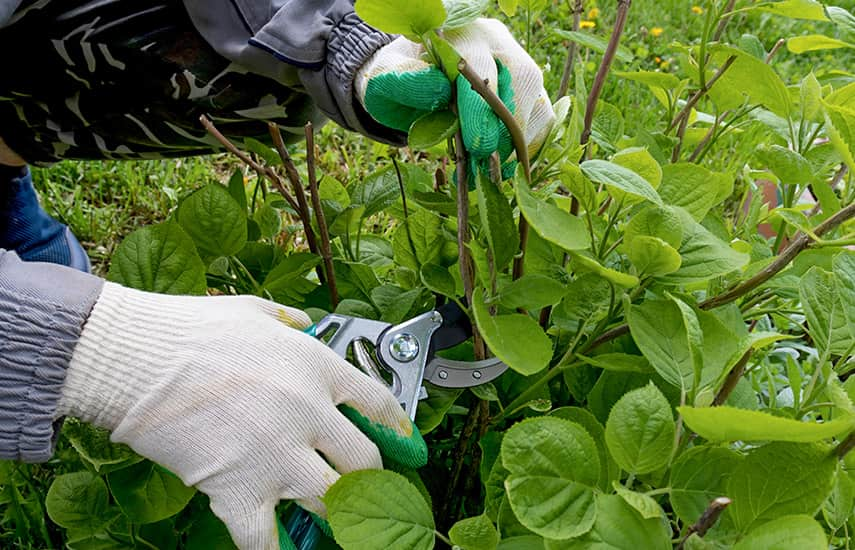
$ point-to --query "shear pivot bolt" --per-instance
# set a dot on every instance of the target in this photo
(476, 375)
(443, 374)
(404, 347)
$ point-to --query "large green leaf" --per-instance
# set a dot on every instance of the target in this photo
(159, 258)
(779, 479)
(410, 18)
(497, 222)
(619, 526)
(553, 467)
(376, 191)
(287, 281)
(214, 220)
(844, 270)
(729, 424)
(658, 328)
(661, 222)
(476, 533)
(652, 256)
(147, 493)
(615, 176)
(704, 255)
(418, 241)
(640, 430)
(796, 9)
(748, 77)
(208, 532)
(550, 222)
(503, 333)
(94, 446)
(78, 501)
(698, 476)
(694, 188)
(827, 319)
(596, 43)
(372, 509)
(609, 470)
(532, 291)
(798, 531)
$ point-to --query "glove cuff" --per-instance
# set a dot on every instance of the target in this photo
(127, 346)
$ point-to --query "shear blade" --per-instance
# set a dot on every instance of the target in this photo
(448, 373)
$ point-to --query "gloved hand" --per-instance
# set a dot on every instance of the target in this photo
(221, 392)
(398, 84)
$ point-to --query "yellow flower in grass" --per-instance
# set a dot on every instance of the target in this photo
(587, 24)
(697, 10)
(656, 32)
(594, 13)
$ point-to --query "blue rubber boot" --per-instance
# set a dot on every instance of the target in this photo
(27, 229)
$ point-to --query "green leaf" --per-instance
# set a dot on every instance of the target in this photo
(509, 7)
(837, 508)
(824, 309)
(844, 270)
(431, 129)
(463, 12)
(553, 467)
(656, 221)
(840, 125)
(615, 176)
(372, 509)
(640, 161)
(525, 542)
(843, 20)
(640, 430)
(789, 166)
(532, 291)
(267, 153)
(751, 77)
(159, 258)
(704, 255)
(550, 222)
(78, 501)
(694, 188)
(643, 504)
(502, 333)
(658, 328)
(376, 192)
(396, 304)
(214, 220)
(699, 476)
(607, 127)
(237, 189)
(798, 531)
(594, 42)
(477, 533)
(438, 279)
(432, 410)
(652, 256)
(410, 18)
(619, 526)
(652, 79)
(618, 362)
(779, 479)
(269, 221)
(497, 222)
(729, 424)
(815, 42)
(287, 282)
(795, 9)
(584, 263)
(147, 493)
(94, 446)
(422, 243)
(609, 470)
(208, 532)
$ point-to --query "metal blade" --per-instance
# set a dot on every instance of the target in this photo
(447, 373)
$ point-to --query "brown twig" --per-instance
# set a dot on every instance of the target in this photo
(603, 71)
(326, 251)
(262, 171)
(448, 512)
(732, 379)
(725, 19)
(778, 45)
(690, 104)
(463, 237)
(845, 446)
(802, 242)
(299, 192)
(577, 10)
(707, 519)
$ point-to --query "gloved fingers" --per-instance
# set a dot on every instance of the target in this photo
(250, 529)
(308, 481)
(345, 447)
(372, 408)
(289, 316)
(540, 121)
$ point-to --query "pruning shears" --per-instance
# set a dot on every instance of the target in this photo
(403, 357)
(406, 353)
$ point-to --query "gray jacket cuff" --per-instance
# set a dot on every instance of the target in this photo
(42, 311)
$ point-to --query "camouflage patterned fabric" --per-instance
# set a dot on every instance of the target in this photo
(127, 79)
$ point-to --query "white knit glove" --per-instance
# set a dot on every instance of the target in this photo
(397, 85)
(225, 395)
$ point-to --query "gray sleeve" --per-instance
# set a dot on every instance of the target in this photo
(42, 311)
(323, 41)
(7, 8)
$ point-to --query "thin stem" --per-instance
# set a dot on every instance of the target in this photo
(577, 10)
(707, 519)
(725, 19)
(690, 104)
(732, 379)
(603, 71)
(707, 137)
(775, 49)
(326, 251)
(845, 446)
(463, 237)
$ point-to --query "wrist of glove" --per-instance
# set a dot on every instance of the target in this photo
(397, 85)
(225, 394)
